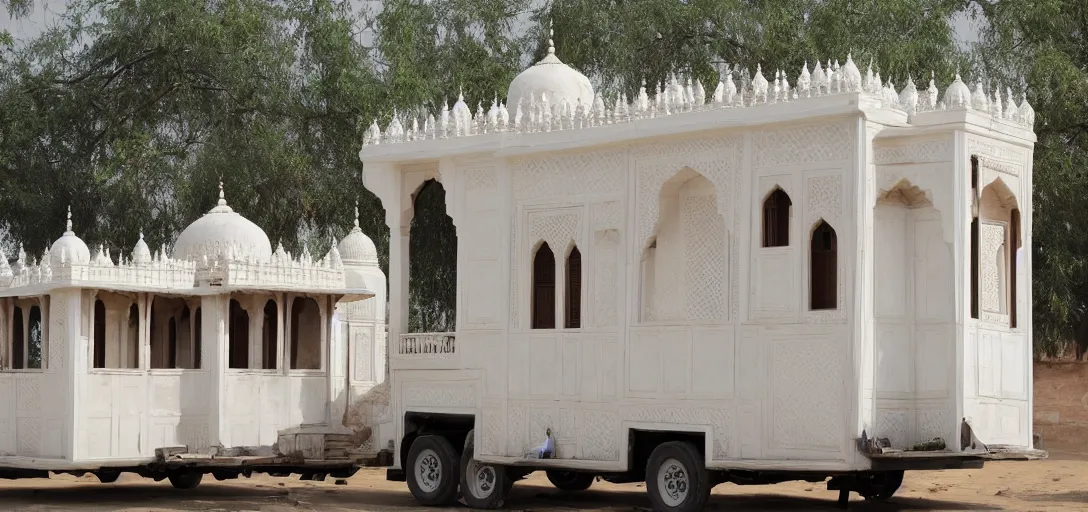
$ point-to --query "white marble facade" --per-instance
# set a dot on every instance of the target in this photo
(782, 267)
(223, 343)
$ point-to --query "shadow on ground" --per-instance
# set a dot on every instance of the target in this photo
(145, 496)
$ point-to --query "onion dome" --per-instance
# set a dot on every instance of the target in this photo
(552, 77)
(222, 233)
(141, 254)
(69, 248)
(957, 95)
(357, 248)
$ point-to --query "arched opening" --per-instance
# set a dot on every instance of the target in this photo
(573, 313)
(184, 338)
(166, 332)
(432, 265)
(34, 338)
(995, 245)
(305, 334)
(198, 330)
(776, 219)
(543, 297)
(17, 336)
(685, 264)
(823, 274)
(269, 335)
(238, 334)
(172, 344)
(131, 354)
(99, 334)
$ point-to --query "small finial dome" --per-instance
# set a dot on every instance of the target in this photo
(69, 248)
(357, 248)
(957, 95)
(141, 253)
(552, 77)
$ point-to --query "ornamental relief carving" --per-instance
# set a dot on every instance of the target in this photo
(917, 153)
(994, 150)
(480, 178)
(558, 229)
(823, 200)
(805, 144)
(571, 174)
(440, 394)
(655, 164)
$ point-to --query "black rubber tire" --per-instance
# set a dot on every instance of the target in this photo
(885, 486)
(449, 471)
(693, 468)
(500, 481)
(108, 477)
(570, 480)
(186, 480)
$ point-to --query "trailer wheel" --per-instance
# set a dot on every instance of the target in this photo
(483, 486)
(185, 480)
(433, 471)
(570, 480)
(677, 479)
(882, 486)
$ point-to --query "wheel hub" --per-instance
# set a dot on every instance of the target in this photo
(428, 471)
(672, 480)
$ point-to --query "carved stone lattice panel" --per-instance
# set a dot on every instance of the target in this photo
(599, 430)
(808, 388)
(480, 178)
(440, 394)
(895, 425)
(705, 261)
(564, 426)
(58, 335)
(1000, 166)
(991, 258)
(657, 163)
(994, 150)
(805, 144)
(493, 420)
(607, 215)
(917, 153)
(823, 200)
(571, 174)
(28, 395)
(933, 423)
(558, 229)
(513, 302)
(606, 279)
(517, 425)
(718, 419)
(363, 353)
(29, 435)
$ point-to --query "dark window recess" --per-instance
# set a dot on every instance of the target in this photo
(776, 219)
(543, 298)
(573, 318)
(823, 281)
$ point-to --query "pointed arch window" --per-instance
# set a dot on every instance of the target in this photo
(776, 219)
(573, 317)
(238, 336)
(543, 298)
(823, 259)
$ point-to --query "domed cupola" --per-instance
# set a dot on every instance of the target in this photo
(958, 95)
(141, 254)
(357, 248)
(552, 77)
(69, 248)
(221, 233)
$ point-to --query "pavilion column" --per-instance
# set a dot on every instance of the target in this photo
(398, 283)
(213, 347)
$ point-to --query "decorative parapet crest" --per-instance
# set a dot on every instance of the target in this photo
(676, 98)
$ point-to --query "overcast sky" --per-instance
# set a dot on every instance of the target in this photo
(45, 12)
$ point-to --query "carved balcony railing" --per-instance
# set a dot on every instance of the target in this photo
(427, 344)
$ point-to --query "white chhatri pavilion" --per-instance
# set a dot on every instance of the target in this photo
(223, 345)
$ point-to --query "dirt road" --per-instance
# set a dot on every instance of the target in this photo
(1054, 484)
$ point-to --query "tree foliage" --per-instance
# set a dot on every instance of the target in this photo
(1042, 46)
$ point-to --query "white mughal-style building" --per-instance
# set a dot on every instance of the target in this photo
(795, 278)
(225, 346)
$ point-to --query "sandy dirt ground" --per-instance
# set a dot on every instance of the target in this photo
(1054, 484)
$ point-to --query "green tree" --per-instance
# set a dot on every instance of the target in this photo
(1041, 47)
(622, 42)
